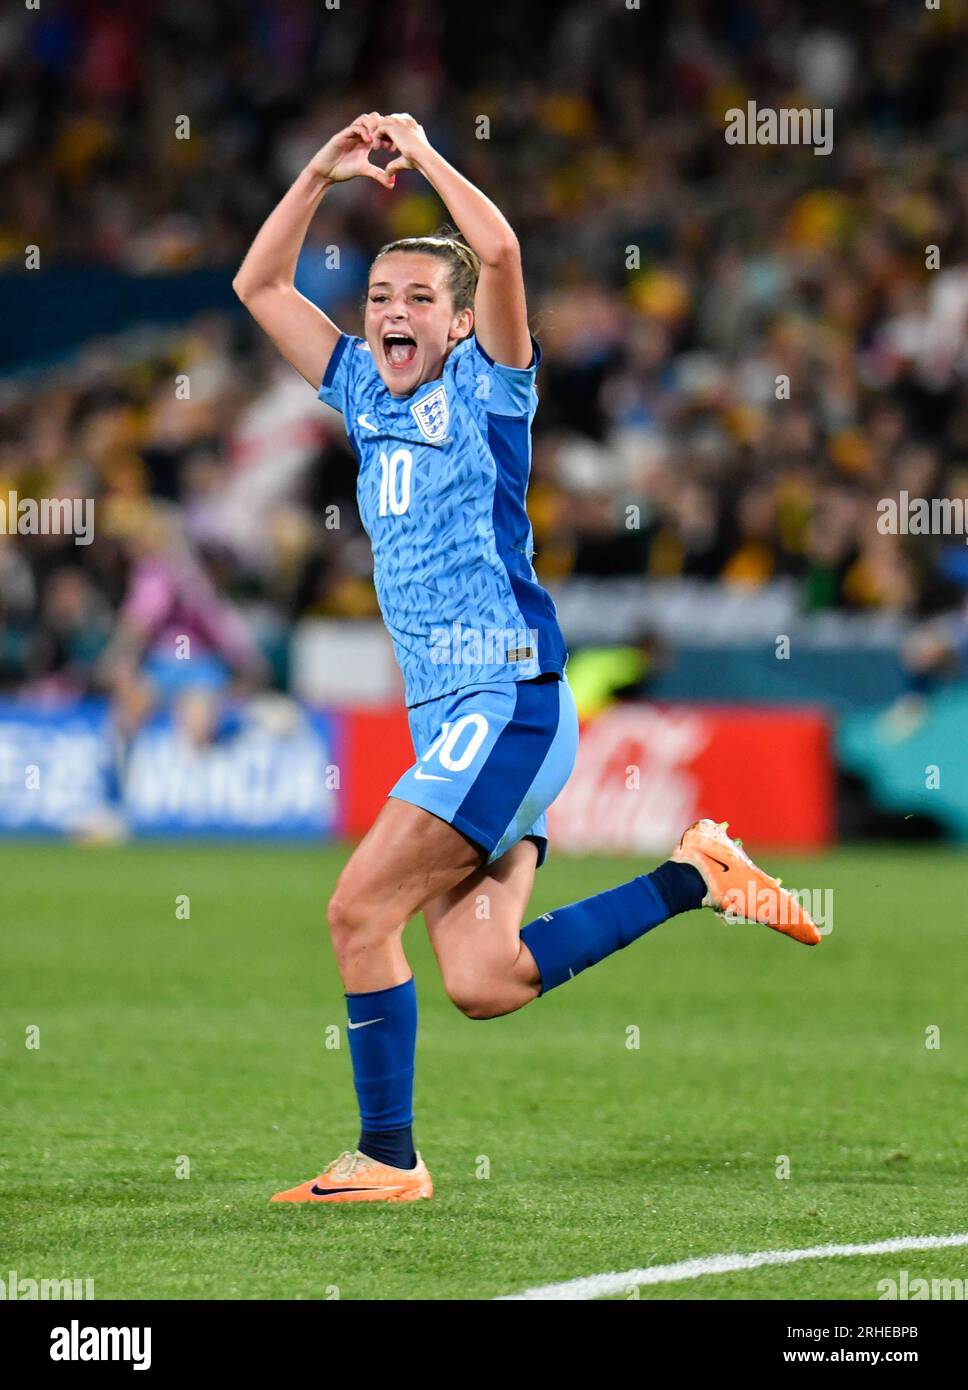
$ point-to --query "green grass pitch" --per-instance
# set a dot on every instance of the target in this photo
(206, 1038)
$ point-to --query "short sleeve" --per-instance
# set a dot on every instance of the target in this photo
(343, 373)
(504, 390)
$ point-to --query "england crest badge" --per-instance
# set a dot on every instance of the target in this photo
(432, 415)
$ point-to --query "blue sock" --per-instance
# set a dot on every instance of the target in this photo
(570, 939)
(382, 1033)
(393, 1146)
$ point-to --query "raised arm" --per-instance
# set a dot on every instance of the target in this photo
(500, 307)
(264, 283)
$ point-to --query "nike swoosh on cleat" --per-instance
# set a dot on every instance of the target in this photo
(366, 1022)
(333, 1191)
(724, 867)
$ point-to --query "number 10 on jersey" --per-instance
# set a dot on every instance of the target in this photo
(395, 481)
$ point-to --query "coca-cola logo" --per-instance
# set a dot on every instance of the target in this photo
(633, 788)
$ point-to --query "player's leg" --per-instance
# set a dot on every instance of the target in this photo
(475, 930)
(706, 869)
(492, 966)
(407, 855)
(489, 759)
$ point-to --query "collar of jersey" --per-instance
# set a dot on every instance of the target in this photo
(394, 413)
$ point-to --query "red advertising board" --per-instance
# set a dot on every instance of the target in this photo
(376, 751)
(644, 772)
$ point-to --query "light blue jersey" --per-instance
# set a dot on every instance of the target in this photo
(443, 475)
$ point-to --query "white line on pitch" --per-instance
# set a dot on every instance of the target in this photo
(598, 1285)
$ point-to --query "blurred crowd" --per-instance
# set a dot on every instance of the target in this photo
(745, 347)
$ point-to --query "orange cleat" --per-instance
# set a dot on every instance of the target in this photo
(355, 1178)
(736, 886)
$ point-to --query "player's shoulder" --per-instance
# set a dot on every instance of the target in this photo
(350, 373)
(359, 357)
(494, 386)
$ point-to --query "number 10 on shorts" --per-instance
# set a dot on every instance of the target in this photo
(446, 742)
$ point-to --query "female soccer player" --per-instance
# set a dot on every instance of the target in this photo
(438, 399)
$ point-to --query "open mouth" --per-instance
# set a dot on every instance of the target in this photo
(399, 349)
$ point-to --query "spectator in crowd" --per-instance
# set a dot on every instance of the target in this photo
(745, 347)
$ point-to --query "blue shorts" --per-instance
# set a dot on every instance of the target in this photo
(491, 759)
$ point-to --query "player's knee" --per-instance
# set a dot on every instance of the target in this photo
(475, 998)
(355, 923)
(480, 1006)
(347, 919)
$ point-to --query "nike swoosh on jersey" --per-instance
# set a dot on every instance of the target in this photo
(365, 1024)
(362, 420)
(429, 776)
